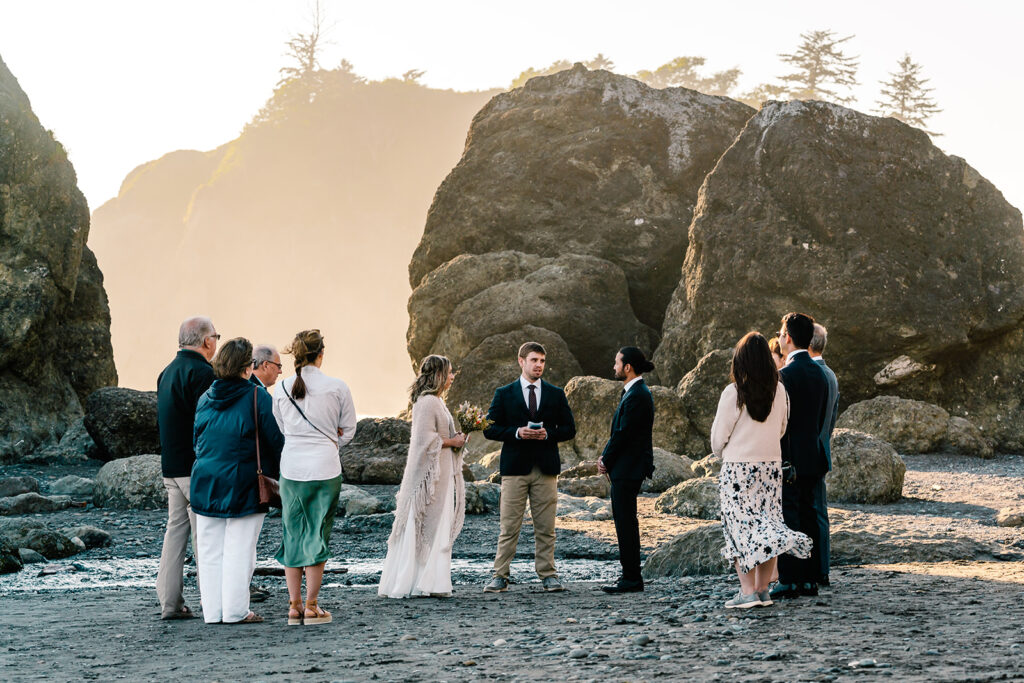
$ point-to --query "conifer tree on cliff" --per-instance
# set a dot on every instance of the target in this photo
(905, 97)
(822, 71)
(683, 72)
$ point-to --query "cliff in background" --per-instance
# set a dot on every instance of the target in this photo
(305, 220)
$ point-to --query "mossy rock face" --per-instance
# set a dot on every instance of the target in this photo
(54, 318)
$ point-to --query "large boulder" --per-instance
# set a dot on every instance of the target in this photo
(74, 448)
(692, 498)
(696, 552)
(552, 176)
(962, 436)
(14, 486)
(91, 536)
(587, 486)
(699, 391)
(910, 426)
(865, 469)
(30, 503)
(27, 533)
(54, 319)
(1011, 516)
(76, 487)
(669, 469)
(864, 538)
(122, 422)
(708, 466)
(934, 242)
(134, 483)
(354, 501)
(482, 497)
(579, 306)
(378, 452)
(594, 400)
(10, 560)
(583, 508)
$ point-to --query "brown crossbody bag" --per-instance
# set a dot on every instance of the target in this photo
(269, 489)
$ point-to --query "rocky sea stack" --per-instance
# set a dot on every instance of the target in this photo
(590, 211)
(54, 320)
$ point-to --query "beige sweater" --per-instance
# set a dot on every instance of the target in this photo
(737, 437)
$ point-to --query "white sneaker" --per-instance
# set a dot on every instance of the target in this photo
(742, 601)
(765, 597)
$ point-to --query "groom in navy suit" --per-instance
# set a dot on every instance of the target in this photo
(529, 416)
(802, 448)
(628, 459)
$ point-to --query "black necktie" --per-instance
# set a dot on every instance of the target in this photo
(532, 402)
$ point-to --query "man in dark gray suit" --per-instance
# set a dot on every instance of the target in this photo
(817, 348)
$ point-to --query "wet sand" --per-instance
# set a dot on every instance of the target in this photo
(945, 621)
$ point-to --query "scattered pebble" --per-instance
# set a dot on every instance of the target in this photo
(641, 639)
(499, 642)
(863, 664)
(578, 653)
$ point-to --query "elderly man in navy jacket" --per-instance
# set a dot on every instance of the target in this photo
(178, 389)
(529, 416)
(628, 459)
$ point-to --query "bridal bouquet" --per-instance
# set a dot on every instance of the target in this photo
(471, 418)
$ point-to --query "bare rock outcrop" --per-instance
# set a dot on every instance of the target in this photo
(568, 212)
(865, 469)
(54, 319)
(893, 237)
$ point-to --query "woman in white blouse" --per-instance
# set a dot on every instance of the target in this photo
(751, 419)
(316, 415)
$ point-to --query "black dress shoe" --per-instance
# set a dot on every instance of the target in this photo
(823, 581)
(808, 589)
(784, 590)
(624, 587)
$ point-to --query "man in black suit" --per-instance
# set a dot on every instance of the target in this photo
(628, 459)
(266, 366)
(807, 387)
(529, 417)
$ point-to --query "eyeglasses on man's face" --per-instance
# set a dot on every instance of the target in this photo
(213, 336)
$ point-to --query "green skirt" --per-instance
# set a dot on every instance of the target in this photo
(307, 517)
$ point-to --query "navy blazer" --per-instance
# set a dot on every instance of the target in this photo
(509, 412)
(833, 409)
(808, 406)
(629, 453)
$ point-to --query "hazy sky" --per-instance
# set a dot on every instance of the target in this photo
(122, 82)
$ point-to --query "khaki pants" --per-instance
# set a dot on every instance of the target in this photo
(542, 492)
(181, 524)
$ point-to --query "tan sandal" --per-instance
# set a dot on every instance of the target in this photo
(296, 607)
(319, 614)
(250, 618)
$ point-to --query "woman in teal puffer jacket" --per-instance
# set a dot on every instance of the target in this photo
(224, 493)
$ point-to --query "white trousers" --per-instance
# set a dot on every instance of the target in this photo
(227, 548)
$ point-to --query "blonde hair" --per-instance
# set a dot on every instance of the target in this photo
(306, 347)
(432, 378)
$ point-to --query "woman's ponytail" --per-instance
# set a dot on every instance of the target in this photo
(306, 348)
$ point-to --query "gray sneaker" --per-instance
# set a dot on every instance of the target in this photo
(742, 601)
(552, 584)
(497, 585)
(765, 597)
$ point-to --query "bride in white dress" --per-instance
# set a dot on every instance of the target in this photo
(431, 503)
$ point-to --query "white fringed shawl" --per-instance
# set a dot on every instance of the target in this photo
(431, 423)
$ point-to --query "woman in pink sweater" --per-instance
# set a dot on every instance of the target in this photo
(751, 419)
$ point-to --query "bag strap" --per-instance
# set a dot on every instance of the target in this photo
(285, 390)
(256, 419)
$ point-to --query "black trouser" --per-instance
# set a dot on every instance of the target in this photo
(627, 528)
(800, 504)
(822, 543)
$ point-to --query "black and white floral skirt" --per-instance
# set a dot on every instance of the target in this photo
(750, 494)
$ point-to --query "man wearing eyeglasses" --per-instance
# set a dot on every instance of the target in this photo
(178, 389)
(266, 366)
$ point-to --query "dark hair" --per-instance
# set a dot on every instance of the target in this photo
(306, 347)
(432, 378)
(800, 328)
(531, 347)
(754, 373)
(233, 357)
(635, 358)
